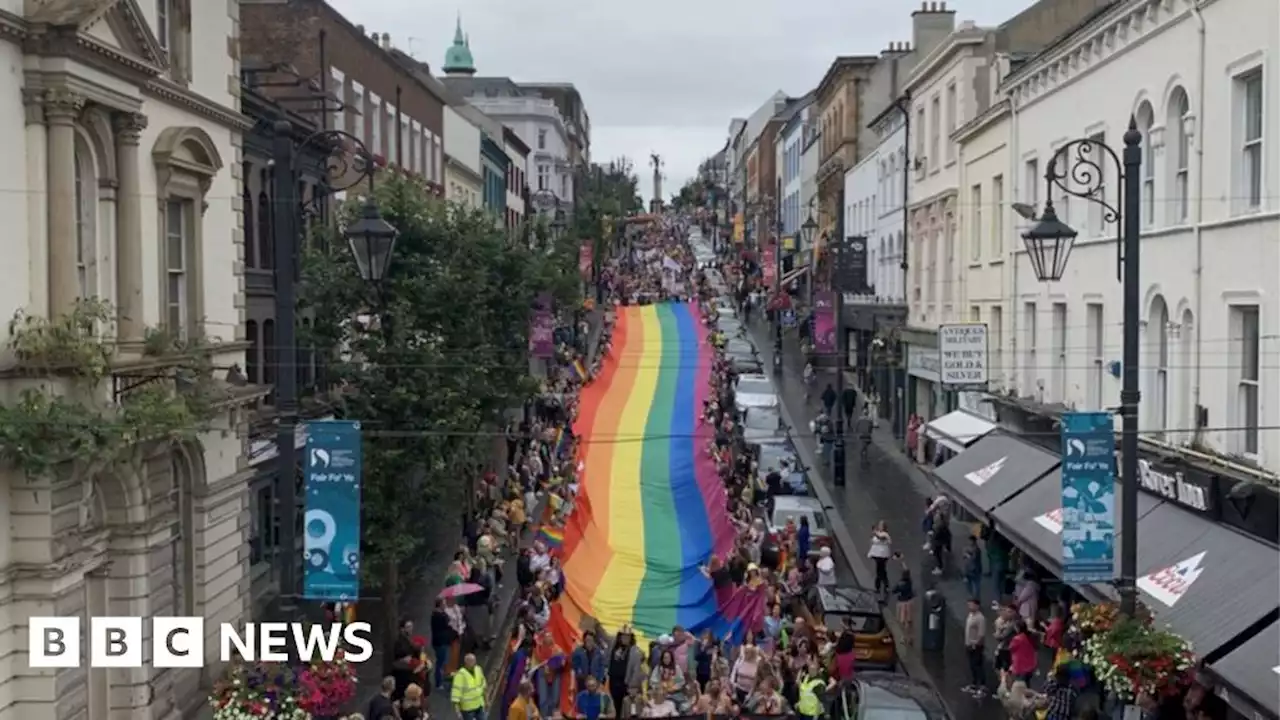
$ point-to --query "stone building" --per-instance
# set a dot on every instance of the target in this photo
(126, 189)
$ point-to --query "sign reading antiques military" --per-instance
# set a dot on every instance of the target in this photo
(962, 356)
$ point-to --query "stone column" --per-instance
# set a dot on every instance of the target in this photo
(129, 314)
(61, 108)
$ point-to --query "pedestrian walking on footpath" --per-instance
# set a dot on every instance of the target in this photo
(849, 400)
(975, 634)
(469, 686)
(973, 568)
(829, 399)
(905, 593)
(880, 552)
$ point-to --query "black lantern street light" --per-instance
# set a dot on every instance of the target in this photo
(1080, 168)
(345, 162)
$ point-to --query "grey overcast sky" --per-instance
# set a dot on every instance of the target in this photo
(662, 76)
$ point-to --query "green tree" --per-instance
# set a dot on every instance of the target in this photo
(430, 359)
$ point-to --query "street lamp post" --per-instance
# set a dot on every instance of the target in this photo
(346, 163)
(1079, 168)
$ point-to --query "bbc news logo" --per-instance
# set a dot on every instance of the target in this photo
(178, 642)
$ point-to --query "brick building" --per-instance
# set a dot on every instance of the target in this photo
(384, 103)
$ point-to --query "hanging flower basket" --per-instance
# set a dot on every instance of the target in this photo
(250, 691)
(324, 688)
(1132, 658)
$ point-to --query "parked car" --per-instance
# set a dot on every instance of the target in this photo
(859, 610)
(754, 390)
(891, 696)
(739, 346)
(787, 508)
(763, 425)
(781, 456)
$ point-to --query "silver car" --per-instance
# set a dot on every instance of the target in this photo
(755, 391)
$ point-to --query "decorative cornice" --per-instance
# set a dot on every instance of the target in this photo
(178, 95)
(124, 60)
(12, 27)
(1127, 24)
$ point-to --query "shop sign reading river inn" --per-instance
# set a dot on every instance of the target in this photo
(1172, 487)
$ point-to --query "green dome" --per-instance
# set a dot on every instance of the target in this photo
(457, 59)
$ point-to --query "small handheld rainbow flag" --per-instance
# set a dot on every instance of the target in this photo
(562, 442)
(551, 537)
(580, 369)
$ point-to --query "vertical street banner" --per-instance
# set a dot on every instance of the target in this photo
(739, 229)
(586, 260)
(769, 267)
(1088, 497)
(824, 322)
(542, 326)
(851, 265)
(331, 528)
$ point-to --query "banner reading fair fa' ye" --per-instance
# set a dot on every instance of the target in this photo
(1088, 497)
(331, 545)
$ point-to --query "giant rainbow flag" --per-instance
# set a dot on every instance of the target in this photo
(651, 507)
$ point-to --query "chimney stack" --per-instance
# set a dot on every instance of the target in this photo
(386, 41)
(930, 26)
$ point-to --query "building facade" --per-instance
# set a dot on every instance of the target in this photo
(495, 166)
(790, 149)
(576, 119)
(516, 180)
(377, 97)
(1211, 235)
(840, 117)
(463, 172)
(125, 188)
(987, 230)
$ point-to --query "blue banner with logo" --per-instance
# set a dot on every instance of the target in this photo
(1088, 497)
(331, 531)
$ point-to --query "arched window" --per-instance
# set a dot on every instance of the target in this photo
(1179, 152)
(1186, 418)
(1146, 120)
(86, 189)
(1158, 361)
(250, 225)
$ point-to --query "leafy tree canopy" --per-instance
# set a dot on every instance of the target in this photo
(429, 360)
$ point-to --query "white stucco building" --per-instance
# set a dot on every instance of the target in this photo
(463, 175)
(1199, 81)
(944, 95)
(873, 194)
(124, 184)
(789, 150)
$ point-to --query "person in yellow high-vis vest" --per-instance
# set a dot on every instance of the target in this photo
(811, 686)
(468, 691)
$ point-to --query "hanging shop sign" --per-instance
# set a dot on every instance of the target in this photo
(922, 363)
(1088, 497)
(962, 356)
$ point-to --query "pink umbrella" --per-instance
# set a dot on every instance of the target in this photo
(460, 590)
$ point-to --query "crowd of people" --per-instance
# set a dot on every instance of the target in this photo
(500, 539)
(773, 660)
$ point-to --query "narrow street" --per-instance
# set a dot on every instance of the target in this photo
(895, 491)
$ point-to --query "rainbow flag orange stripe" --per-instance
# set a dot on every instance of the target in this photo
(651, 508)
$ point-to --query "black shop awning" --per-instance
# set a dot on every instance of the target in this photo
(992, 470)
(1250, 675)
(1032, 520)
(1208, 582)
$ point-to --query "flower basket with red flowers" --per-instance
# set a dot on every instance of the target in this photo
(324, 688)
(250, 691)
(1133, 658)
